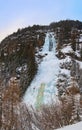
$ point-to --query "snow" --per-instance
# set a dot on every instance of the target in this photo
(77, 126)
(65, 71)
(80, 63)
(66, 59)
(80, 39)
(43, 87)
(77, 53)
(67, 49)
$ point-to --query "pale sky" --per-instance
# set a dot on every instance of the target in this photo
(16, 14)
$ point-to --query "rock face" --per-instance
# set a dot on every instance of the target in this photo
(70, 59)
(17, 55)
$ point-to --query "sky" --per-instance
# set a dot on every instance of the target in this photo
(16, 14)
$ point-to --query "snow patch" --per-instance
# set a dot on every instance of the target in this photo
(80, 63)
(67, 49)
(77, 126)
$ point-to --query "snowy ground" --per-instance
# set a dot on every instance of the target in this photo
(43, 87)
(77, 126)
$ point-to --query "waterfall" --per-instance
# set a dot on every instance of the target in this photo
(43, 88)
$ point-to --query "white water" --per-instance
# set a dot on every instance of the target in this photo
(47, 75)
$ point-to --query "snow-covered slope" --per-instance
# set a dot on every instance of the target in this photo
(77, 126)
(43, 87)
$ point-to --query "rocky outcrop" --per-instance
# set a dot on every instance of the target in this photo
(17, 56)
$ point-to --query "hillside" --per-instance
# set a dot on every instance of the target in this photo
(17, 55)
(43, 66)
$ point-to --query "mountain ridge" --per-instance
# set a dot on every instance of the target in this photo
(18, 51)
